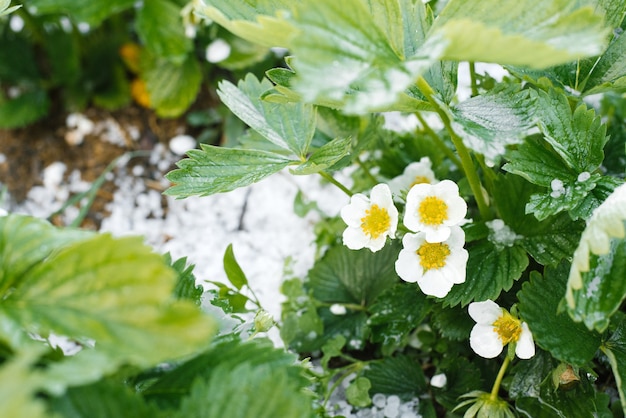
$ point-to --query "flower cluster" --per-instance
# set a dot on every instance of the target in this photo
(433, 255)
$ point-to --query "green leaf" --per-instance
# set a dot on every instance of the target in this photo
(104, 399)
(462, 377)
(489, 272)
(401, 375)
(557, 333)
(246, 391)
(160, 28)
(534, 33)
(344, 57)
(17, 398)
(615, 350)
(325, 157)
(609, 72)
(233, 271)
(88, 11)
(348, 276)
(577, 137)
(260, 22)
(25, 109)
(453, 323)
(529, 375)
(186, 287)
(217, 170)
(490, 122)
(17, 59)
(288, 125)
(114, 291)
(5, 9)
(332, 348)
(396, 313)
(357, 393)
(603, 288)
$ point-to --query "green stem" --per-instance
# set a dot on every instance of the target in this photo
(466, 159)
(496, 385)
(332, 180)
(347, 371)
(438, 141)
(473, 85)
(367, 171)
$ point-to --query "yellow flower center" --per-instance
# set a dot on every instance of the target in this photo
(433, 211)
(433, 255)
(508, 328)
(419, 180)
(376, 221)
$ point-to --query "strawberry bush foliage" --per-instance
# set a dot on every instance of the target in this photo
(477, 268)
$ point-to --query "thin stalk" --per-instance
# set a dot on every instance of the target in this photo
(348, 370)
(496, 385)
(332, 180)
(438, 141)
(473, 85)
(367, 171)
(466, 159)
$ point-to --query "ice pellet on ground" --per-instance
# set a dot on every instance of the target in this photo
(217, 51)
(180, 144)
(379, 400)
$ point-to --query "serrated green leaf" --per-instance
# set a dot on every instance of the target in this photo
(490, 122)
(325, 157)
(260, 22)
(235, 274)
(453, 322)
(615, 350)
(489, 272)
(603, 288)
(27, 108)
(172, 87)
(348, 276)
(288, 125)
(534, 33)
(461, 376)
(114, 291)
(528, 375)
(160, 28)
(357, 393)
(400, 375)
(395, 313)
(577, 137)
(186, 287)
(614, 11)
(557, 333)
(609, 72)
(104, 399)
(216, 170)
(88, 11)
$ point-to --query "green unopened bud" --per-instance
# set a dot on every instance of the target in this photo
(483, 404)
(263, 321)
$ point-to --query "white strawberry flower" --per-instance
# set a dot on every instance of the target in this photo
(436, 267)
(433, 209)
(370, 220)
(496, 327)
(419, 172)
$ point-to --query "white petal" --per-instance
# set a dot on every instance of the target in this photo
(377, 243)
(525, 348)
(354, 238)
(457, 209)
(433, 283)
(447, 188)
(411, 242)
(485, 341)
(485, 312)
(381, 195)
(355, 210)
(439, 234)
(408, 267)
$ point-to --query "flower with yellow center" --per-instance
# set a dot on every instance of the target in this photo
(418, 172)
(370, 220)
(435, 266)
(434, 209)
(496, 327)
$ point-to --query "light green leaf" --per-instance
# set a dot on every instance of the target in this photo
(233, 271)
(557, 333)
(489, 122)
(261, 22)
(615, 350)
(325, 157)
(332, 348)
(603, 288)
(18, 385)
(25, 109)
(88, 11)
(160, 28)
(578, 137)
(614, 11)
(172, 87)
(348, 276)
(400, 375)
(534, 33)
(489, 272)
(288, 125)
(216, 170)
(357, 393)
(114, 291)
(5, 9)
(609, 72)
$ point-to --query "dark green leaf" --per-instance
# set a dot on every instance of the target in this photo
(530, 374)
(27, 108)
(217, 169)
(89, 11)
(615, 350)
(186, 287)
(489, 272)
(233, 271)
(160, 27)
(462, 377)
(400, 375)
(555, 332)
(453, 323)
(609, 73)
